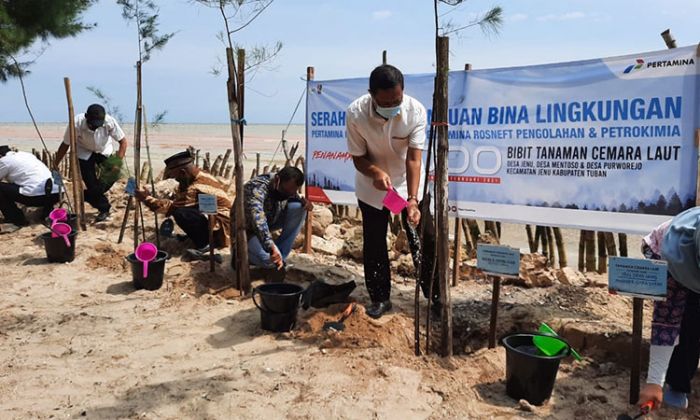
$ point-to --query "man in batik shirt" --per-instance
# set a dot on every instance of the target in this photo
(185, 207)
(271, 202)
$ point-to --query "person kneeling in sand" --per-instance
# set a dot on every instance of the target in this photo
(185, 207)
(28, 183)
(271, 202)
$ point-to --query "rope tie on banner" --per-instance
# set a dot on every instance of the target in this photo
(240, 121)
(439, 124)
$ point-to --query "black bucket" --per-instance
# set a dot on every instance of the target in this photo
(530, 374)
(56, 249)
(279, 304)
(156, 271)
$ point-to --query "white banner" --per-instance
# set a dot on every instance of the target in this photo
(600, 144)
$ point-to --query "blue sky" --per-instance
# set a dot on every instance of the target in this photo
(340, 38)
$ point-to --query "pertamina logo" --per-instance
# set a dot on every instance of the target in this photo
(640, 64)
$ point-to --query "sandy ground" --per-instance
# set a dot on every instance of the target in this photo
(77, 341)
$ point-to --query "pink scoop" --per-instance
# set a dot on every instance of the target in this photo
(58, 215)
(394, 202)
(146, 252)
(62, 230)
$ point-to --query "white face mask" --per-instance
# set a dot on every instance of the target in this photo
(390, 112)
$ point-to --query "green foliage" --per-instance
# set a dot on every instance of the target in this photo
(110, 171)
(158, 119)
(145, 13)
(237, 15)
(22, 22)
(490, 22)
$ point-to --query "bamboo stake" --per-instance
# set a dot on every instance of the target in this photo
(590, 251)
(602, 255)
(216, 165)
(622, 238)
(474, 231)
(530, 239)
(610, 244)
(224, 162)
(581, 250)
(550, 245)
(76, 179)
(561, 247)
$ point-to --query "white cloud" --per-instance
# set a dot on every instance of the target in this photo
(517, 17)
(562, 16)
(381, 14)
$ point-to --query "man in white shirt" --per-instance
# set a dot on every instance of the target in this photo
(385, 136)
(28, 182)
(95, 131)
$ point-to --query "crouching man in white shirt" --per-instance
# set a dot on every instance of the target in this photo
(26, 180)
(95, 130)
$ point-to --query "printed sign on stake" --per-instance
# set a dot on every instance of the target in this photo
(638, 277)
(498, 260)
(131, 186)
(207, 203)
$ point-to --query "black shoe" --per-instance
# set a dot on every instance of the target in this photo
(166, 228)
(202, 254)
(377, 309)
(102, 216)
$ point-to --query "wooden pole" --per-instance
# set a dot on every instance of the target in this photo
(456, 261)
(384, 57)
(550, 244)
(602, 253)
(137, 149)
(224, 162)
(240, 81)
(622, 237)
(495, 296)
(308, 232)
(126, 219)
(150, 173)
(637, 318)
(561, 247)
(442, 240)
(76, 178)
(212, 265)
(241, 250)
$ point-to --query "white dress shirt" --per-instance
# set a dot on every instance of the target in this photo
(385, 144)
(98, 141)
(25, 170)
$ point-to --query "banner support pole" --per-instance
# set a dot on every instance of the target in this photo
(308, 232)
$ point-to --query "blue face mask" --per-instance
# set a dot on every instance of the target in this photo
(390, 112)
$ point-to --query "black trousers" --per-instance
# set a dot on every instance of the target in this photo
(94, 189)
(376, 255)
(10, 196)
(684, 362)
(194, 223)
